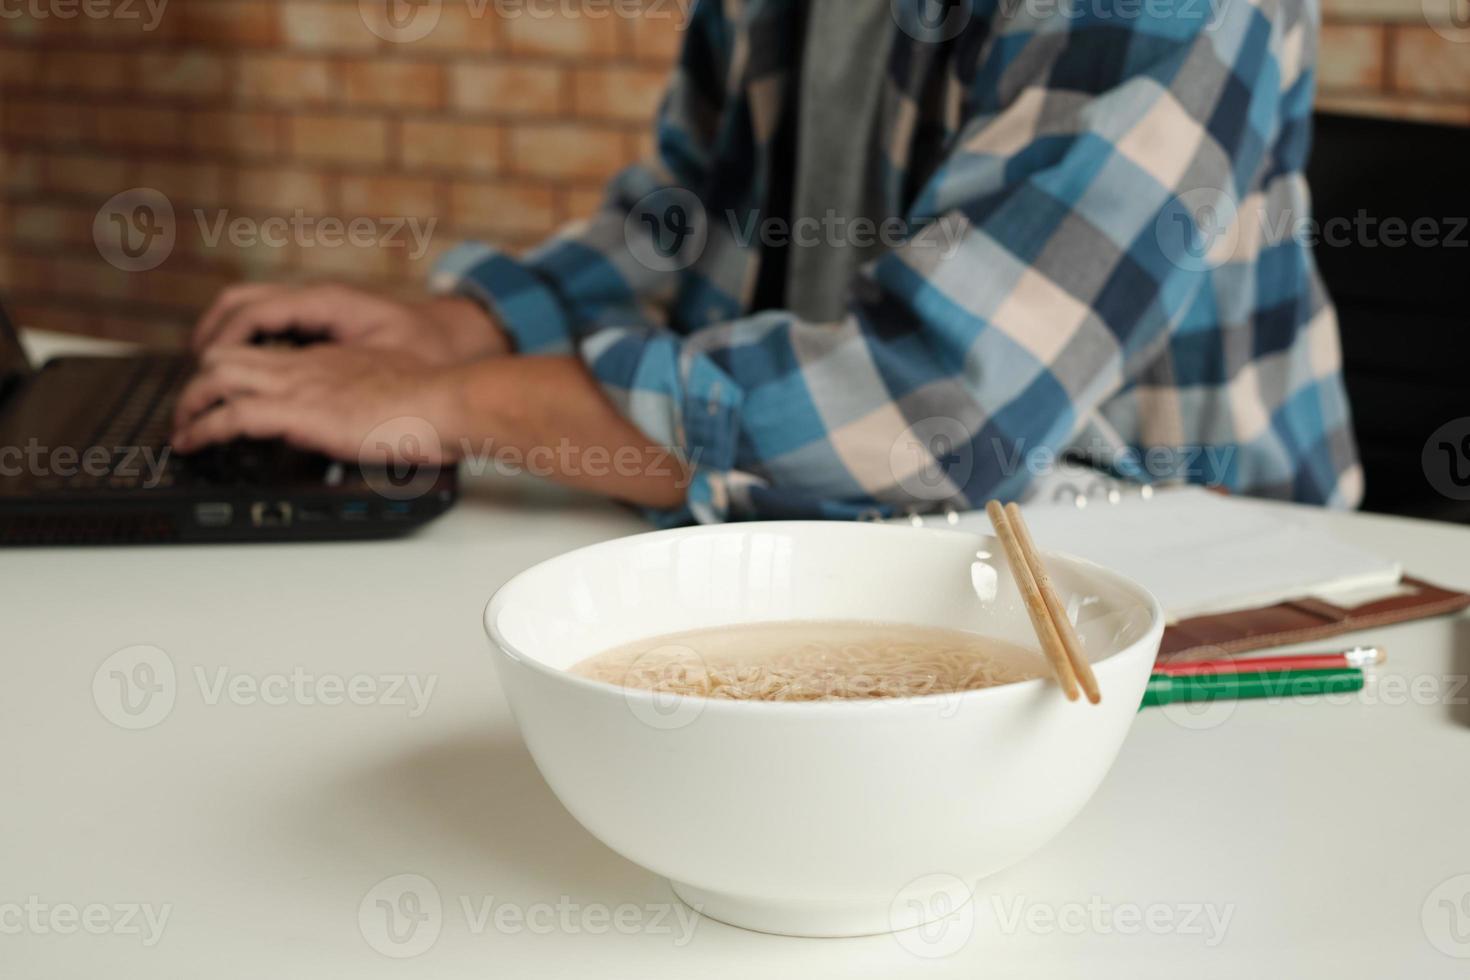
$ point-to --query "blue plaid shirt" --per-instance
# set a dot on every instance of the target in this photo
(1098, 260)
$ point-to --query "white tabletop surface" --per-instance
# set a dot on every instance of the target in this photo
(248, 831)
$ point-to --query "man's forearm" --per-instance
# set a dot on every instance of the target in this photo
(551, 413)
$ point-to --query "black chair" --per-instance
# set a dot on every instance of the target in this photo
(1404, 308)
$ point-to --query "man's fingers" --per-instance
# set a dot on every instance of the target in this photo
(229, 299)
(228, 378)
(247, 417)
(335, 310)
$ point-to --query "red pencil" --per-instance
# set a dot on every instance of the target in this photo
(1356, 657)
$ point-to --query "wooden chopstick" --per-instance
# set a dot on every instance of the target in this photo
(1070, 640)
(1041, 620)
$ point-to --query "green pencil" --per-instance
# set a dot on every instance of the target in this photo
(1164, 689)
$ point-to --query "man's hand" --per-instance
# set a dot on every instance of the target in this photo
(442, 330)
(325, 398)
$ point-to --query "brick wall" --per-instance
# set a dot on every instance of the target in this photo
(255, 119)
(1400, 58)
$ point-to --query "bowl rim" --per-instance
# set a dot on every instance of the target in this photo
(504, 647)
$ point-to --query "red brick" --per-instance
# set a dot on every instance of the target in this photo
(504, 207)
(451, 146)
(507, 89)
(462, 25)
(51, 224)
(630, 94)
(192, 183)
(340, 139)
(313, 26)
(1425, 63)
(231, 22)
(87, 71)
(281, 190)
(93, 277)
(20, 170)
(388, 196)
(20, 67)
(582, 202)
(658, 37)
(140, 127)
(98, 177)
(52, 123)
(187, 74)
(399, 84)
(293, 81)
(567, 150)
(346, 260)
(562, 37)
(229, 133)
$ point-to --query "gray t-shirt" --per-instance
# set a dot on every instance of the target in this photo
(838, 167)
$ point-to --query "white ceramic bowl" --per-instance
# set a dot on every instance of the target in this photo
(834, 818)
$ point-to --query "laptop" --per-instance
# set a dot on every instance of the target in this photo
(84, 459)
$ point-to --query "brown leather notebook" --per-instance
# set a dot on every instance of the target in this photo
(1300, 620)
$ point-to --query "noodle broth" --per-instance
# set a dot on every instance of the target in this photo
(813, 661)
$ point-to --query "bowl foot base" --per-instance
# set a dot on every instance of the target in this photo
(929, 900)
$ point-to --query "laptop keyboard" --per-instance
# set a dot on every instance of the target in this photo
(136, 430)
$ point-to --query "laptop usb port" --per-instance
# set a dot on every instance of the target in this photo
(217, 514)
(355, 511)
(313, 513)
(397, 510)
(276, 514)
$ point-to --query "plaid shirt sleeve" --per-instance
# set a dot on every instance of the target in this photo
(1042, 280)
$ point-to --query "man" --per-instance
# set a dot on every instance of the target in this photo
(1043, 229)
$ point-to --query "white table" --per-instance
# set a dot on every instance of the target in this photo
(1322, 839)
